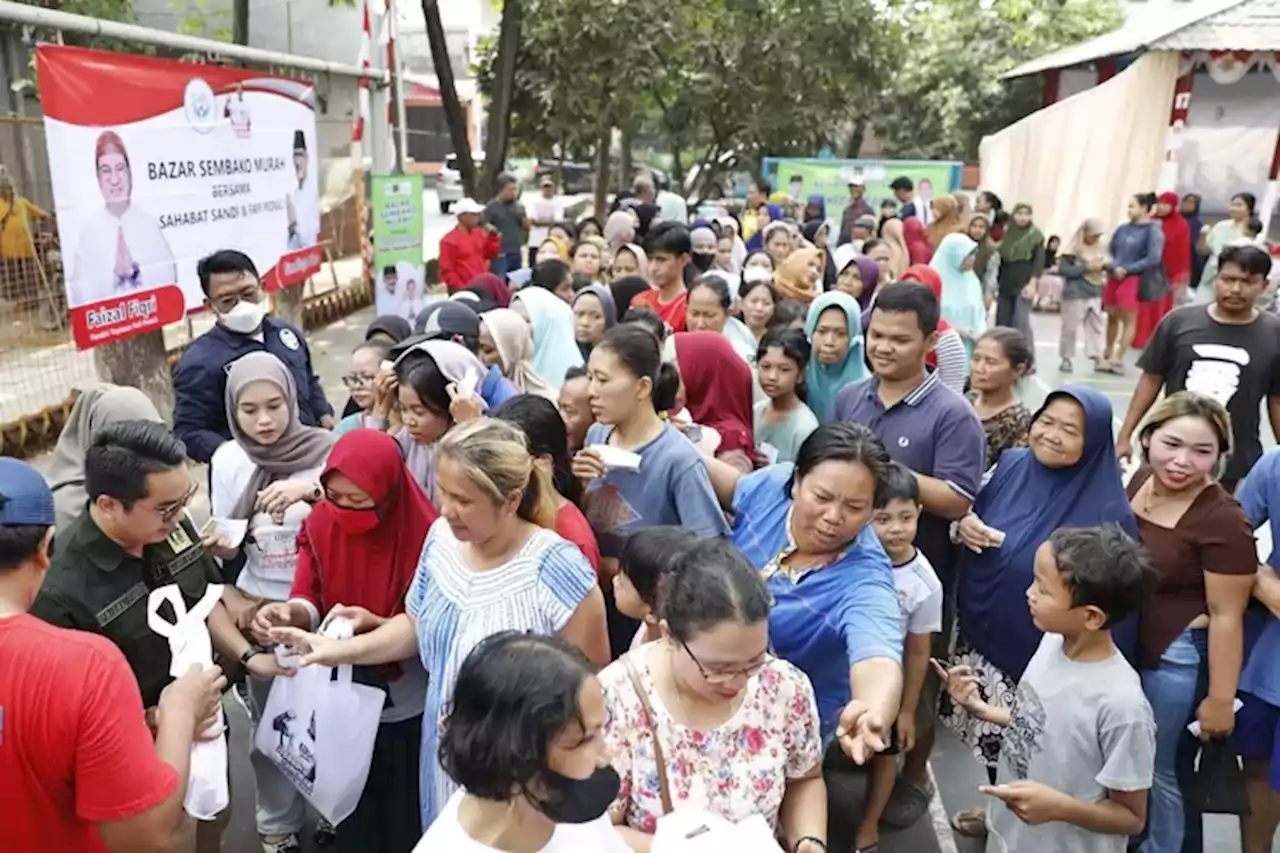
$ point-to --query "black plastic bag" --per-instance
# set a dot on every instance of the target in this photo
(1218, 786)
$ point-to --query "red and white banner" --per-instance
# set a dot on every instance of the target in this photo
(156, 164)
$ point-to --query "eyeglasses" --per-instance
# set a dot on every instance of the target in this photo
(358, 380)
(169, 512)
(724, 677)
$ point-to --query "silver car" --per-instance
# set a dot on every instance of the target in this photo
(449, 183)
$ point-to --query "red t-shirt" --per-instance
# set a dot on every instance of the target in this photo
(75, 749)
(572, 526)
(672, 313)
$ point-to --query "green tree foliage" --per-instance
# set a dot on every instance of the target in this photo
(948, 92)
(708, 77)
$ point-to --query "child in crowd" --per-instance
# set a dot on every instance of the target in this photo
(1080, 722)
(897, 514)
(366, 364)
(647, 557)
(782, 420)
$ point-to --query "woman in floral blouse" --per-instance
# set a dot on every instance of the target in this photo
(734, 729)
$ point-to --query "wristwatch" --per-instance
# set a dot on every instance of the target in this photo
(251, 652)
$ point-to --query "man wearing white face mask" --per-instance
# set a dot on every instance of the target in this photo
(234, 294)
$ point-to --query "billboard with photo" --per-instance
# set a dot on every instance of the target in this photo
(157, 163)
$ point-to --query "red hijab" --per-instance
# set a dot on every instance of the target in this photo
(918, 251)
(1177, 243)
(370, 570)
(493, 287)
(928, 276)
(717, 388)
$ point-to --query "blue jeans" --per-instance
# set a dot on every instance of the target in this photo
(504, 264)
(1174, 690)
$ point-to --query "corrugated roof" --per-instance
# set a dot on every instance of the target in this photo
(1142, 31)
(1253, 25)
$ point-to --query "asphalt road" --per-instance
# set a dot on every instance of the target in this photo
(957, 775)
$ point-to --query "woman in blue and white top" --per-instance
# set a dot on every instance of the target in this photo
(491, 563)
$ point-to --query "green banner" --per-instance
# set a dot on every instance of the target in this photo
(397, 245)
(802, 178)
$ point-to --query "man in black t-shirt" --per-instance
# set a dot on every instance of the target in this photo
(1227, 350)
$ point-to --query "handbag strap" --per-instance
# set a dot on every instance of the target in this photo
(664, 789)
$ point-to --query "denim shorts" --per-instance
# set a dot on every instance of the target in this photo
(1257, 735)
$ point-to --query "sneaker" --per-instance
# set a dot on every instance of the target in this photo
(280, 844)
(1065, 366)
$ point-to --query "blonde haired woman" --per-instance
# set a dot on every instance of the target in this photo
(489, 564)
(1191, 636)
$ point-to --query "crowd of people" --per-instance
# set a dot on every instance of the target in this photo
(725, 516)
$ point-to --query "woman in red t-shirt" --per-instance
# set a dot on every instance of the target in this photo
(548, 439)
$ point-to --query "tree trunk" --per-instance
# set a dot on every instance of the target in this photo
(856, 138)
(141, 361)
(504, 75)
(454, 114)
(677, 169)
(240, 21)
(602, 174)
(625, 167)
(287, 303)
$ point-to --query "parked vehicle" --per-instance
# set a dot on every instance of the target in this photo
(449, 186)
(580, 178)
(449, 183)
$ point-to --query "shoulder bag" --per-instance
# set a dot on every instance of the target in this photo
(664, 788)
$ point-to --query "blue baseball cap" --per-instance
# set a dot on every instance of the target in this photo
(25, 498)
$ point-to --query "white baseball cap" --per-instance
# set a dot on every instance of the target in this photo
(857, 181)
(467, 205)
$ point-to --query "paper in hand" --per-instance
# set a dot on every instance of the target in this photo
(616, 457)
(230, 530)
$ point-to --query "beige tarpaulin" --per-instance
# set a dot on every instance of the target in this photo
(1086, 155)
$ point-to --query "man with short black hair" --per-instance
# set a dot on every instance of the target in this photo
(1228, 350)
(934, 432)
(904, 190)
(79, 770)
(669, 247)
(136, 536)
(507, 215)
(234, 293)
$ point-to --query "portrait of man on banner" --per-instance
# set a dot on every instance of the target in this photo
(122, 247)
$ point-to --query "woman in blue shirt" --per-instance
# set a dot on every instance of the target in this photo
(835, 616)
(629, 386)
(1136, 246)
(1258, 721)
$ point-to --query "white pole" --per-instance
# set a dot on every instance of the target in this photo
(397, 85)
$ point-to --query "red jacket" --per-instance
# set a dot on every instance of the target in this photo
(465, 255)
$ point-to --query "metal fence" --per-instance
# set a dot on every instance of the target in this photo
(41, 371)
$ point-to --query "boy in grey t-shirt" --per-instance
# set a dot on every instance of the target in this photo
(1079, 746)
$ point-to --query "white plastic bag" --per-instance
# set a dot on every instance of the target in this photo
(692, 830)
(189, 643)
(319, 729)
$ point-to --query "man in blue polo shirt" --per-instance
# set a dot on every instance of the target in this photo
(933, 431)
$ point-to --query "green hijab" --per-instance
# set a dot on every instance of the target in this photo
(1020, 244)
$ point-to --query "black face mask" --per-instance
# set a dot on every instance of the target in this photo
(578, 800)
(703, 260)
